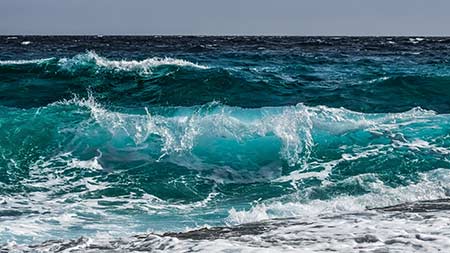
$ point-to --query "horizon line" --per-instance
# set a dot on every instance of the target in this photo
(222, 35)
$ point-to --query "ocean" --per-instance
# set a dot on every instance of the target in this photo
(224, 144)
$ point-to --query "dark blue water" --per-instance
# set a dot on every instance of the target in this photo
(116, 136)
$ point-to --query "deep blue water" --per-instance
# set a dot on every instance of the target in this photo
(126, 135)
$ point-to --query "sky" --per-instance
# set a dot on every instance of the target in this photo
(225, 17)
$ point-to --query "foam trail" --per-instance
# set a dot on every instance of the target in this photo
(24, 62)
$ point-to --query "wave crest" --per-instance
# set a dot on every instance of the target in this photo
(25, 62)
(293, 130)
(97, 63)
(142, 67)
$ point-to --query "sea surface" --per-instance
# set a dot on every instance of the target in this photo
(252, 144)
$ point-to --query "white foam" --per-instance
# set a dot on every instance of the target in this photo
(418, 145)
(433, 185)
(143, 66)
(91, 59)
(416, 40)
(23, 62)
(351, 232)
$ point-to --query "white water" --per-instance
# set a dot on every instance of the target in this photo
(143, 67)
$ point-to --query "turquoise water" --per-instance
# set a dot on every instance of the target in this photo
(125, 135)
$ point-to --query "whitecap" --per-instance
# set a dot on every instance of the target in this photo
(99, 63)
(416, 40)
(23, 62)
(142, 66)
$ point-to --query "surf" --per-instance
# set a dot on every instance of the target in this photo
(246, 143)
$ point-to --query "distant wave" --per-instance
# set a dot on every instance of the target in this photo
(24, 62)
(143, 66)
(92, 61)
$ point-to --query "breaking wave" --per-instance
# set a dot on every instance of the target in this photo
(90, 61)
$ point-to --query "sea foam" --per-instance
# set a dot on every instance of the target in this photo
(97, 63)
(143, 66)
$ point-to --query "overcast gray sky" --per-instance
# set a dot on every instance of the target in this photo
(202, 17)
